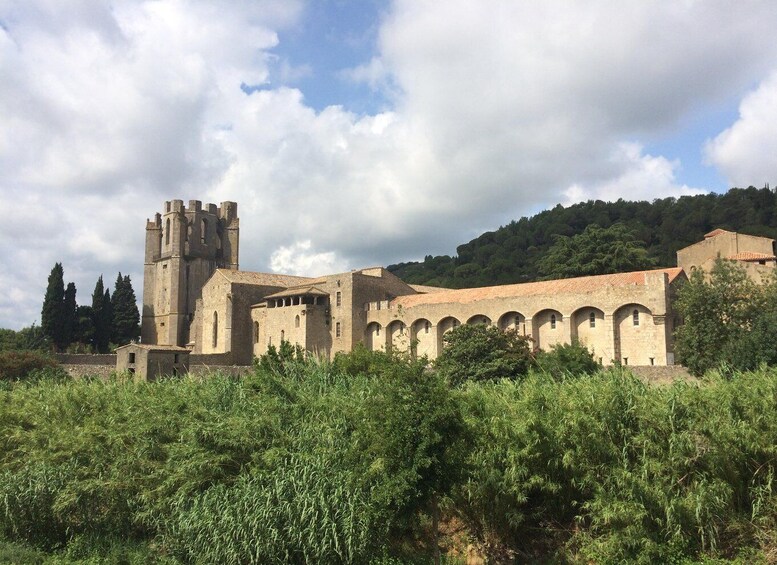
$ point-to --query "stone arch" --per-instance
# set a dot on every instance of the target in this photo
(422, 336)
(479, 319)
(635, 335)
(548, 328)
(396, 335)
(512, 321)
(588, 326)
(444, 326)
(373, 339)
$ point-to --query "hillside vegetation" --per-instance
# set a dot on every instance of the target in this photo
(366, 459)
(513, 253)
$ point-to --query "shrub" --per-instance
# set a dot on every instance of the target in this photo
(21, 365)
(567, 359)
(483, 353)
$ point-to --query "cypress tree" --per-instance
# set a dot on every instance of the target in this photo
(101, 316)
(52, 319)
(70, 319)
(126, 318)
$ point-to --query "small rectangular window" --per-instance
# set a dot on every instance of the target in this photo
(338, 298)
(175, 358)
(337, 329)
(131, 357)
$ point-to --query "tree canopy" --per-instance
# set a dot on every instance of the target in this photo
(52, 318)
(511, 253)
(596, 251)
(727, 319)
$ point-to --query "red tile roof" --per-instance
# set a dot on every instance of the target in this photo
(751, 256)
(559, 286)
(715, 232)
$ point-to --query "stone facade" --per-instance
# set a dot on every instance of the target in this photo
(194, 294)
(149, 362)
(756, 255)
(184, 246)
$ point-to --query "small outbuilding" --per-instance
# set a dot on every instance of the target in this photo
(148, 362)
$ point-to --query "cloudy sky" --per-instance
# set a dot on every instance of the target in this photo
(359, 132)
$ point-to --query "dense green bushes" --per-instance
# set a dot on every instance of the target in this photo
(27, 365)
(302, 463)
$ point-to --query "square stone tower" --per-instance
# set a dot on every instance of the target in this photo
(184, 246)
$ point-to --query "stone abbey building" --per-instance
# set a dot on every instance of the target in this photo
(195, 296)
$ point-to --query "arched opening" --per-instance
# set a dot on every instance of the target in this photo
(444, 326)
(512, 321)
(479, 319)
(203, 231)
(167, 231)
(637, 338)
(283, 336)
(296, 321)
(397, 335)
(256, 332)
(215, 329)
(589, 329)
(372, 338)
(548, 328)
(422, 338)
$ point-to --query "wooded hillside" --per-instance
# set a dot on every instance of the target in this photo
(511, 253)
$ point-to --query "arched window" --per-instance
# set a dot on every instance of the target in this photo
(283, 335)
(167, 232)
(296, 321)
(203, 230)
(215, 329)
(592, 320)
(635, 317)
(256, 332)
(553, 321)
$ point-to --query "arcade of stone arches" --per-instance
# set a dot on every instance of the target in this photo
(620, 335)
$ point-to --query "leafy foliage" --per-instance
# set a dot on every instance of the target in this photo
(512, 253)
(21, 365)
(567, 359)
(727, 319)
(596, 251)
(302, 464)
(52, 316)
(125, 317)
(481, 353)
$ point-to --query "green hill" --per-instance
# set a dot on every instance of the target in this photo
(510, 254)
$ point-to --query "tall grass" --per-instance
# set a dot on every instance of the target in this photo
(303, 463)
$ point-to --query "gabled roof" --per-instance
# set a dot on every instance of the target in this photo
(153, 347)
(297, 291)
(559, 286)
(715, 232)
(264, 279)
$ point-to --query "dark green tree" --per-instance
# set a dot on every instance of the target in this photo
(69, 313)
(596, 251)
(84, 327)
(101, 317)
(567, 359)
(716, 312)
(53, 314)
(126, 318)
(482, 353)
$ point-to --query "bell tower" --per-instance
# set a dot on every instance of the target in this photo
(184, 246)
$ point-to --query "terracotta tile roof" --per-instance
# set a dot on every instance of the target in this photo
(559, 286)
(751, 256)
(424, 289)
(715, 232)
(268, 279)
